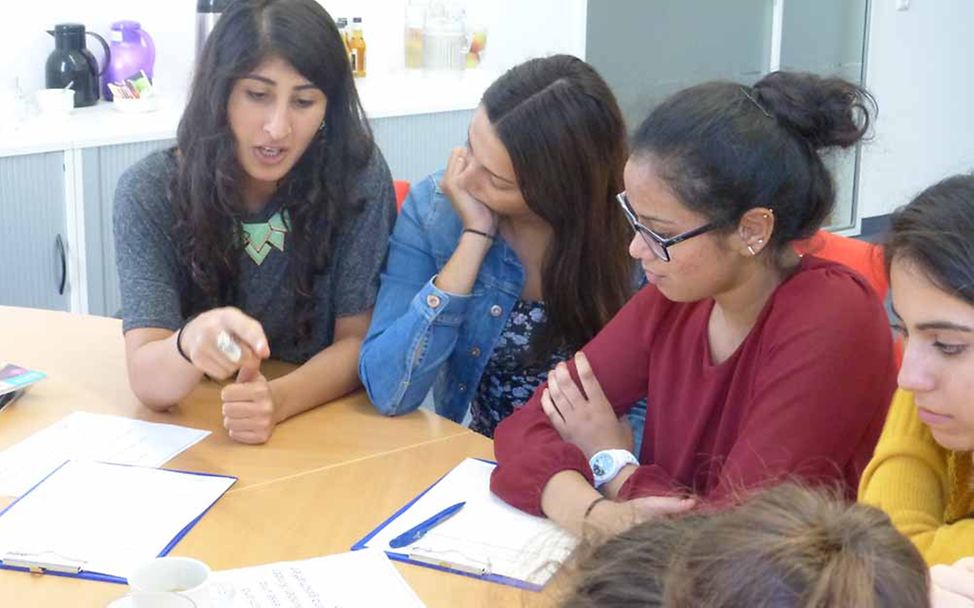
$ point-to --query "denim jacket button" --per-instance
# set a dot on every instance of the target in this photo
(474, 352)
(462, 388)
(495, 310)
(433, 300)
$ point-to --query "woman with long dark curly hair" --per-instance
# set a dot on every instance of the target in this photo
(261, 233)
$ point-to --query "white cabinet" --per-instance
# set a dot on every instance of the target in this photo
(56, 246)
(101, 168)
(34, 242)
(417, 145)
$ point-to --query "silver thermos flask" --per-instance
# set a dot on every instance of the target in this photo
(207, 14)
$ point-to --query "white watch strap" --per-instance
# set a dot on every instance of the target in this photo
(618, 460)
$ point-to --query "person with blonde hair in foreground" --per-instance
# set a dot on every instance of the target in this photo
(789, 546)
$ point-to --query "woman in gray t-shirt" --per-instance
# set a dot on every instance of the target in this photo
(263, 231)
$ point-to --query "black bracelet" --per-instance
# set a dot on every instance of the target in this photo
(592, 506)
(483, 234)
(179, 335)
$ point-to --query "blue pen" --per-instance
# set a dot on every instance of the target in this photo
(414, 534)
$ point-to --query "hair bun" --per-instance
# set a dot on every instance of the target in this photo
(826, 112)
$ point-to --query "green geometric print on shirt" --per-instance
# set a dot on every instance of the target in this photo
(259, 237)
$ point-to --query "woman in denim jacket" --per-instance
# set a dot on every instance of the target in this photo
(509, 260)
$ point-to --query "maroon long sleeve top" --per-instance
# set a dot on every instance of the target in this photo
(804, 396)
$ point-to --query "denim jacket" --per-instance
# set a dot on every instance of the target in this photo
(422, 336)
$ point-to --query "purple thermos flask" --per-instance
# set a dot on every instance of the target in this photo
(132, 50)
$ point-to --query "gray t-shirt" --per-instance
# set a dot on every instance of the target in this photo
(156, 285)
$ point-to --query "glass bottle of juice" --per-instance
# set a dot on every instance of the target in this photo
(356, 47)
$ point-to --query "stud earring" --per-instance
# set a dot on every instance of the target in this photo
(760, 241)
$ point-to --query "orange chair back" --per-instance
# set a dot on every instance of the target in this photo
(865, 258)
(402, 189)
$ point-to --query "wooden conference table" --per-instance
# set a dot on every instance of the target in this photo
(325, 479)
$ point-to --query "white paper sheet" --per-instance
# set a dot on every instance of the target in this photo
(347, 580)
(487, 533)
(86, 436)
(108, 517)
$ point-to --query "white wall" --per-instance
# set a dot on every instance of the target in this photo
(918, 67)
(516, 30)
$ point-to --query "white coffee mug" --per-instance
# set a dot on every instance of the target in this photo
(180, 577)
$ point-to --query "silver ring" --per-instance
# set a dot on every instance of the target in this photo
(228, 346)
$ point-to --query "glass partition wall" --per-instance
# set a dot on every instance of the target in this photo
(648, 49)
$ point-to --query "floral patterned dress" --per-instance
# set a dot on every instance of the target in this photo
(507, 382)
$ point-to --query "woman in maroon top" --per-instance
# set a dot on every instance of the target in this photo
(756, 364)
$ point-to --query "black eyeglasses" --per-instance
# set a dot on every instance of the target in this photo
(657, 244)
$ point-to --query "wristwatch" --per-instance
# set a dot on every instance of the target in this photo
(606, 464)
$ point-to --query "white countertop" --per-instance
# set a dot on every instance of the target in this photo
(395, 94)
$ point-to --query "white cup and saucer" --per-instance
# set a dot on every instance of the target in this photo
(171, 582)
(54, 103)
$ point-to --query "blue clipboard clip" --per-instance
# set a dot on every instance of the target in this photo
(39, 563)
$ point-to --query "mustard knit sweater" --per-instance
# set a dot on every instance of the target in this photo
(925, 488)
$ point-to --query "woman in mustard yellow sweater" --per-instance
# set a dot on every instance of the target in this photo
(921, 473)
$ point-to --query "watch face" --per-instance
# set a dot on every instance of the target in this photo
(602, 465)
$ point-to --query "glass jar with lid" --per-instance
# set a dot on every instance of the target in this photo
(444, 38)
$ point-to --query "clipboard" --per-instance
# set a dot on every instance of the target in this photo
(49, 561)
(476, 560)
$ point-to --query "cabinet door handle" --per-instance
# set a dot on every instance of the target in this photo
(59, 247)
